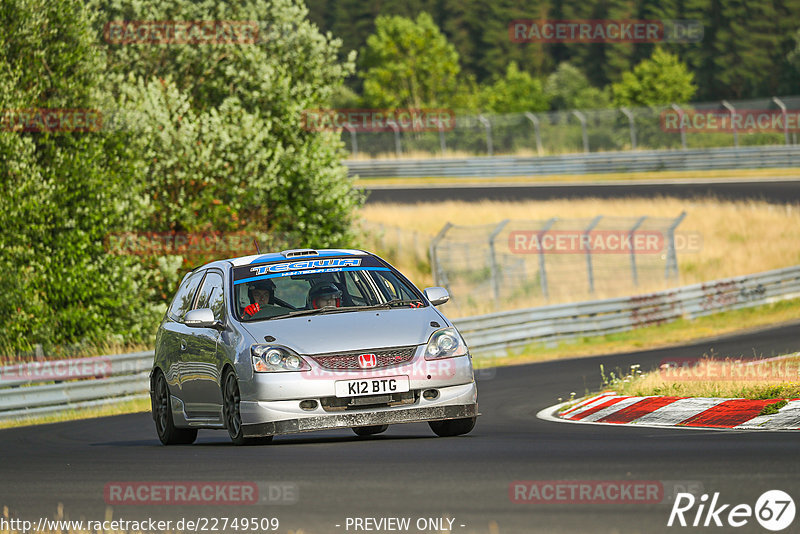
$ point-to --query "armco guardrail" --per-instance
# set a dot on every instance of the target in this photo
(48, 386)
(498, 331)
(761, 157)
(125, 375)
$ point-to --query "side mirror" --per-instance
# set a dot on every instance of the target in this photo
(202, 318)
(437, 295)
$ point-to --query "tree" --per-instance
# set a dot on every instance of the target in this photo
(409, 64)
(62, 192)
(568, 88)
(221, 125)
(663, 79)
(516, 92)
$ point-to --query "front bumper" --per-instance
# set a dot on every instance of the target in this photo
(347, 420)
(267, 418)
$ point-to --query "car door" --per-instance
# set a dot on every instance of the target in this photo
(200, 371)
(174, 337)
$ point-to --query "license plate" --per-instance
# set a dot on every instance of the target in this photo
(372, 386)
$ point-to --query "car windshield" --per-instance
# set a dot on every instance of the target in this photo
(327, 285)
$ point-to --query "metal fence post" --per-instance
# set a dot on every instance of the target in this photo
(488, 126)
(442, 143)
(434, 259)
(493, 261)
(679, 111)
(582, 118)
(672, 255)
(727, 105)
(783, 112)
(634, 273)
(535, 120)
(625, 111)
(353, 139)
(542, 265)
(586, 233)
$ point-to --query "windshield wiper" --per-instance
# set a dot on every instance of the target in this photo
(322, 311)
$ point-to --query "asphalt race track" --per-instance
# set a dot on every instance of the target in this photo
(777, 191)
(408, 472)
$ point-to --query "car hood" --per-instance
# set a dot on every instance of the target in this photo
(346, 331)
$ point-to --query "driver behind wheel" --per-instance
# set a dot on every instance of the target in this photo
(261, 294)
(324, 295)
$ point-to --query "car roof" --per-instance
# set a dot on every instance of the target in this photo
(296, 254)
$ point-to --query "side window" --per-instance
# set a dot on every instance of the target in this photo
(211, 295)
(184, 297)
(354, 284)
(392, 287)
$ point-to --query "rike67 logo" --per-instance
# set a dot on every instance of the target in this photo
(774, 510)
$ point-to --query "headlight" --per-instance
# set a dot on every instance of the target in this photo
(272, 359)
(445, 343)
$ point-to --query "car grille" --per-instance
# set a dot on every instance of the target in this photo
(336, 404)
(349, 360)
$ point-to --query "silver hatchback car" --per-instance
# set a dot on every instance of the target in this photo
(306, 340)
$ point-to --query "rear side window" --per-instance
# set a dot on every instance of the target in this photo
(184, 297)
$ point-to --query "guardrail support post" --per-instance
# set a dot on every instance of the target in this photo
(493, 261)
(582, 118)
(628, 113)
(535, 120)
(353, 139)
(542, 266)
(783, 112)
(488, 126)
(727, 105)
(437, 278)
(397, 147)
(679, 111)
(634, 273)
(672, 255)
(586, 233)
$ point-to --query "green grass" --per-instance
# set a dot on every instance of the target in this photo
(600, 177)
(772, 409)
(113, 408)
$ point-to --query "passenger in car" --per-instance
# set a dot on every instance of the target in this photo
(324, 295)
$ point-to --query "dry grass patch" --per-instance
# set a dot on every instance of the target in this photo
(738, 238)
(774, 378)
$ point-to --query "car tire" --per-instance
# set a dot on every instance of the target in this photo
(167, 432)
(453, 427)
(370, 430)
(232, 416)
